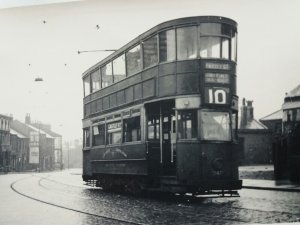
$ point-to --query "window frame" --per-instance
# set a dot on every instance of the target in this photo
(86, 139)
(139, 135)
(174, 45)
(93, 141)
(196, 27)
(128, 73)
(201, 126)
(118, 130)
(113, 67)
(195, 128)
(88, 78)
(144, 66)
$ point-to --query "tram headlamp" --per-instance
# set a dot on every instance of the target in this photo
(218, 164)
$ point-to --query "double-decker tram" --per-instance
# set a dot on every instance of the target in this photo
(160, 113)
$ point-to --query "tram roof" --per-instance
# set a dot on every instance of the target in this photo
(295, 92)
(176, 22)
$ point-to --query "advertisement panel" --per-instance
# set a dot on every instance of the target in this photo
(34, 154)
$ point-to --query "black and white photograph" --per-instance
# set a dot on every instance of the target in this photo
(149, 112)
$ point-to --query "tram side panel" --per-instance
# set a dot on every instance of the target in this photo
(119, 160)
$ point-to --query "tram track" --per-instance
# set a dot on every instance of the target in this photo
(189, 200)
(12, 186)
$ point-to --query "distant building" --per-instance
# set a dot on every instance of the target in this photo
(255, 139)
(46, 128)
(20, 151)
(5, 149)
(33, 154)
(43, 149)
(273, 122)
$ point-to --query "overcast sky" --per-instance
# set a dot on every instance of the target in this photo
(268, 50)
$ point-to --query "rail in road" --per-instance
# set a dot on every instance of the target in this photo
(48, 189)
(64, 207)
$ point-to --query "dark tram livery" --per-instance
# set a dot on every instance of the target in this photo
(161, 112)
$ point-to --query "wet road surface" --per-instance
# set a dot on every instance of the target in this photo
(62, 198)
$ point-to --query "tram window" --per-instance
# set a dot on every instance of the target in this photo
(167, 46)
(106, 73)
(132, 129)
(87, 109)
(119, 68)
(113, 133)
(210, 29)
(98, 135)
(150, 51)
(233, 47)
(186, 43)
(153, 127)
(133, 60)
(234, 127)
(215, 126)
(210, 47)
(298, 115)
(187, 124)
(86, 85)
(96, 81)
(225, 48)
(86, 137)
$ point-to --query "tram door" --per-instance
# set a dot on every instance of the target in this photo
(160, 135)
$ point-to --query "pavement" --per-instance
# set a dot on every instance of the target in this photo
(262, 177)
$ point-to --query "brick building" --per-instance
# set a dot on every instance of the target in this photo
(255, 139)
(5, 150)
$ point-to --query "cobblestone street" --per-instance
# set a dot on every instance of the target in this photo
(62, 198)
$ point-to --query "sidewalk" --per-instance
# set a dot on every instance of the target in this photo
(262, 177)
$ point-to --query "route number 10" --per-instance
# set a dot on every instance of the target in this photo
(216, 96)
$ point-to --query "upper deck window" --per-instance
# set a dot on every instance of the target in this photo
(133, 60)
(96, 81)
(186, 43)
(167, 48)
(106, 74)
(210, 47)
(210, 29)
(150, 51)
(215, 41)
(119, 68)
(225, 48)
(234, 47)
(87, 85)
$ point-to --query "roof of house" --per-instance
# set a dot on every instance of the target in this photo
(254, 125)
(46, 130)
(40, 130)
(21, 128)
(277, 115)
(12, 131)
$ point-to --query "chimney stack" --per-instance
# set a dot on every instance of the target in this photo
(250, 115)
(27, 119)
(243, 115)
